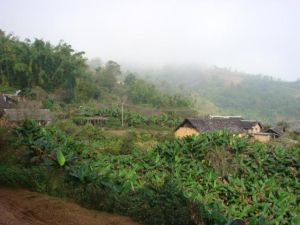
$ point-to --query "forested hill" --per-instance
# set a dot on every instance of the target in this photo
(252, 96)
(65, 76)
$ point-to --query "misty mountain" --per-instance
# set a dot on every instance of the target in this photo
(231, 92)
(205, 89)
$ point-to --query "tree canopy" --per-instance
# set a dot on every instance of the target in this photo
(24, 64)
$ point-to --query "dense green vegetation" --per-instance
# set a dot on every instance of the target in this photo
(24, 64)
(139, 91)
(61, 70)
(255, 97)
(139, 169)
(210, 178)
(131, 118)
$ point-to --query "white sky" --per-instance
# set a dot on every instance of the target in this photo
(254, 36)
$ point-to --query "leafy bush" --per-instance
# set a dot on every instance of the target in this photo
(261, 188)
(46, 145)
(48, 103)
(128, 143)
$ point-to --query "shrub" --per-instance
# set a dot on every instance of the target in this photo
(128, 141)
(48, 103)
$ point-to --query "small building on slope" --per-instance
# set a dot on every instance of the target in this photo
(275, 132)
(17, 115)
(236, 125)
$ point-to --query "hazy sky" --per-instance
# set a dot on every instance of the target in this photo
(254, 36)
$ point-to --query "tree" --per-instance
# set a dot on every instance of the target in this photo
(108, 75)
(24, 64)
(130, 79)
(284, 124)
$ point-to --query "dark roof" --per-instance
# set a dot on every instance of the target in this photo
(5, 103)
(276, 130)
(247, 124)
(233, 124)
(16, 115)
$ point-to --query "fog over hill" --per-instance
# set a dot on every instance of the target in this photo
(255, 37)
(251, 36)
(230, 92)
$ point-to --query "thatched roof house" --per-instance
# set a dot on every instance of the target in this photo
(20, 114)
(192, 126)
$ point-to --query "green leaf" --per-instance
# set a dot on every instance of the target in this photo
(60, 158)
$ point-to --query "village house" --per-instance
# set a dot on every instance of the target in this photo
(275, 132)
(17, 115)
(11, 113)
(234, 124)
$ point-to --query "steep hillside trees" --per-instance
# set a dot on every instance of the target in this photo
(24, 64)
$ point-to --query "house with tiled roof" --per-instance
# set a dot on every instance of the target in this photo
(234, 124)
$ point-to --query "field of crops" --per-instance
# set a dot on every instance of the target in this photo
(131, 118)
(208, 179)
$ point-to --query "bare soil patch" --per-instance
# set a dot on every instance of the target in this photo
(22, 207)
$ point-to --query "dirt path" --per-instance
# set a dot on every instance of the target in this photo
(22, 207)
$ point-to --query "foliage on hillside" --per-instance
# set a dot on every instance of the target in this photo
(106, 84)
(131, 118)
(60, 70)
(257, 97)
(24, 64)
(139, 91)
(206, 179)
(254, 97)
(64, 72)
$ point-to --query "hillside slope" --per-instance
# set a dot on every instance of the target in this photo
(231, 92)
